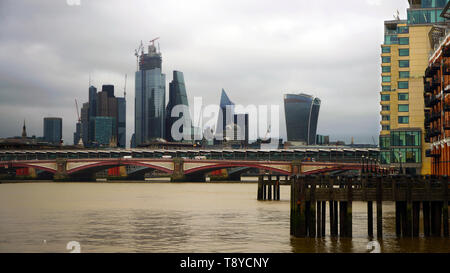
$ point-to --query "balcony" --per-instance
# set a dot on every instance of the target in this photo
(446, 51)
(446, 69)
(429, 153)
(428, 72)
(431, 101)
(427, 87)
(435, 83)
(435, 67)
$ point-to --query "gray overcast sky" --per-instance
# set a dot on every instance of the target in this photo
(256, 50)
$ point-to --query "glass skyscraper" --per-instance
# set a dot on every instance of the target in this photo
(301, 114)
(53, 130)
(150, 98)
(226, 116)
(177, 96)
(105, 128)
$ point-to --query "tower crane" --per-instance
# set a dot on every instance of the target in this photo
(137, 52)
(78, 113)
(125, 87)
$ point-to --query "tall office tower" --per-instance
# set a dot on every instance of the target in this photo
(150, 97)
(77, 133)
(105, 129)
(92, 114)
(404, 58)
(177, 96)
(84, 116)
(226, 116)
(121, 122)
(53, 130)
(301, 113)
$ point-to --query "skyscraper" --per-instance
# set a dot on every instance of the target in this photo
(91, 116)
(150, 97)
(121, 122)
(105, 128)
(404, 58)
(177, 96)
(301, 114)
(53, 130)
(226, 116)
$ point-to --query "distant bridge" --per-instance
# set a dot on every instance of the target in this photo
(179, 169)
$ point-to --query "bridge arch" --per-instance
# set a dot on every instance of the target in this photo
(282, 168)
(74, 168)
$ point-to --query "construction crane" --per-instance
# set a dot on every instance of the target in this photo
(78, 112)
(153, 41)
(137, 52)
(125, 87)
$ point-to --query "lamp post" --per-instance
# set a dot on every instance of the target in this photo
(362, 164)
(400, 159)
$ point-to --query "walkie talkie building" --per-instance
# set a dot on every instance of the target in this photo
(301, 113)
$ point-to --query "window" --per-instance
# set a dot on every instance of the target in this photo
(386, 78)
(385, 142)
(402, 30)
(403, 119)
(385, 69)
(385, 127)
(386, 49)
(385, 108)
(403, 52)
(385, 59)
(402, 63)
(403, 107)
(403, 74)
(403, 41)
(406, 155)
(403, 96)
(385, 157)
(403, 85)
(386, 118)
(390, 39)
(405, 138)
(385, 97)
(386, 88)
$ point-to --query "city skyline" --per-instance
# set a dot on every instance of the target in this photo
(267, 56)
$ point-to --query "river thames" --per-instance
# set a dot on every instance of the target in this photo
(172, 217)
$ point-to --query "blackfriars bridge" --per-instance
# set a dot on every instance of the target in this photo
(185, 165)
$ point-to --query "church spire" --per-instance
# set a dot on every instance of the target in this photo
(24, 130)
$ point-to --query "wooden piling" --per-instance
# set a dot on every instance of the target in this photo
(408, 209)
(312, 210)
(260, 190)
(264, 187)
(416, 218)
(319, 219)
(324, 208)
(349, 208)
(277, 186)
(342, 220)
(398, 219)
(269, 188)
(335, 218)
(445, 207)
(331, 205)
(426, 218)
(379, 197)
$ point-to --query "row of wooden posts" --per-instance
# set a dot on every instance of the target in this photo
(310, 196)
(270, 187)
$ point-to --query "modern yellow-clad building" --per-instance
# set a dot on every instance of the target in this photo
(404, 58)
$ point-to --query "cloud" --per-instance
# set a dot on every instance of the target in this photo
(257, 50)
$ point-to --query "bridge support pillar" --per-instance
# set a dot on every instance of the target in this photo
(61, 170)
(178, 171)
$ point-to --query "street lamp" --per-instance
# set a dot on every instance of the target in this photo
(400, 158)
